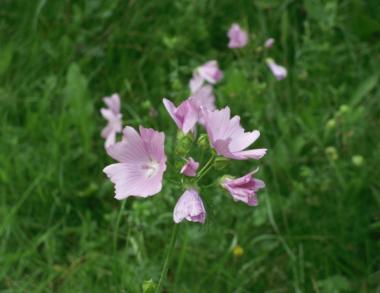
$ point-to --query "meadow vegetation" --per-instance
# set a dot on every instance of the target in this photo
(317, 227)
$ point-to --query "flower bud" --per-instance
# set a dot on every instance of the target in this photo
(221, 163)
(332, 153)
(343, 109)
(184, 142)
(357, 160)
(203, 142)
(331, 124)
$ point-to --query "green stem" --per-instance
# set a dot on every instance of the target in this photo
(117, 224)
(206, 168)
(165, 267)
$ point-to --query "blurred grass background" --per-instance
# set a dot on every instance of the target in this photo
(317, 228)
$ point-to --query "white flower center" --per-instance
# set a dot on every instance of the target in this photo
(151, 168)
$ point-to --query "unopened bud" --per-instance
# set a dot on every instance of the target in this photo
(331, 124)
(221, 163)
(332, 153)
(183, 143)
(357, 160)
(343, 109)
(203, 141)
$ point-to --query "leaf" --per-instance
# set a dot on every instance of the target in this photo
(6, 54)
(149, 286)
(364, 89)
(78, 104)
(334, 284)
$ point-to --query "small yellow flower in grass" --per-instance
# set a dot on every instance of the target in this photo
(357, 160)
(332, 153)
(238, 251)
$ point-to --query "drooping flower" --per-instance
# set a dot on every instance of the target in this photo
(113, 116)
(190, 168)
(238, 37)
(210, 72)
(185, 115)
(142, 163)
(269, 43)
(278, 71)
(227, 136)
(244, 188)
(189, 207)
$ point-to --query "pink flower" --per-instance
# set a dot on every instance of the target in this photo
(203, 98)
(189, 207)
(228, 138)
(185, 116)
(142, 163)
(113, 116)
(244, 188)
(238, 37)
(196, 82)
(269, 43)
(190, 168)
(278, 71)
(210, 71)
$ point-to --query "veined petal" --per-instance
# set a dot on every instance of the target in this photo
(132, 180)
(189, 207)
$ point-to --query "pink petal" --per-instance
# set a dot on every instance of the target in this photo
(196, 83)
(256, 154)
(185, 116)
(244, 140)
(113, 103)
(189, 207)
(130, 149)
(190, 168)
(132, 180)
(210, 71)
(269, 43)
(238, 37)
(278, 71)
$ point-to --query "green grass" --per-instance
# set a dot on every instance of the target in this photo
(317, 228)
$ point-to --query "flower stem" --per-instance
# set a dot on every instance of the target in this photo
(117, 225)
(206, 168)
(165, 267)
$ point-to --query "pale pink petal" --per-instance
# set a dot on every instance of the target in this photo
(153, 143)
(210, 71)
(244, 188)
(244, 140)
(203, 98)
(190, 168)
(238, 37)
(171, 108)
(143, 163)
(130, 149)
(196, 82)
(189, 207)
(185, 116)
(255, 154)
(113, 103)
(278, 71)
(110, 139)
(132, 180)
(269, 43)
(227, 136)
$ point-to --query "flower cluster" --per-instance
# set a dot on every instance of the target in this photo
(238, 38)
(141, 158)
